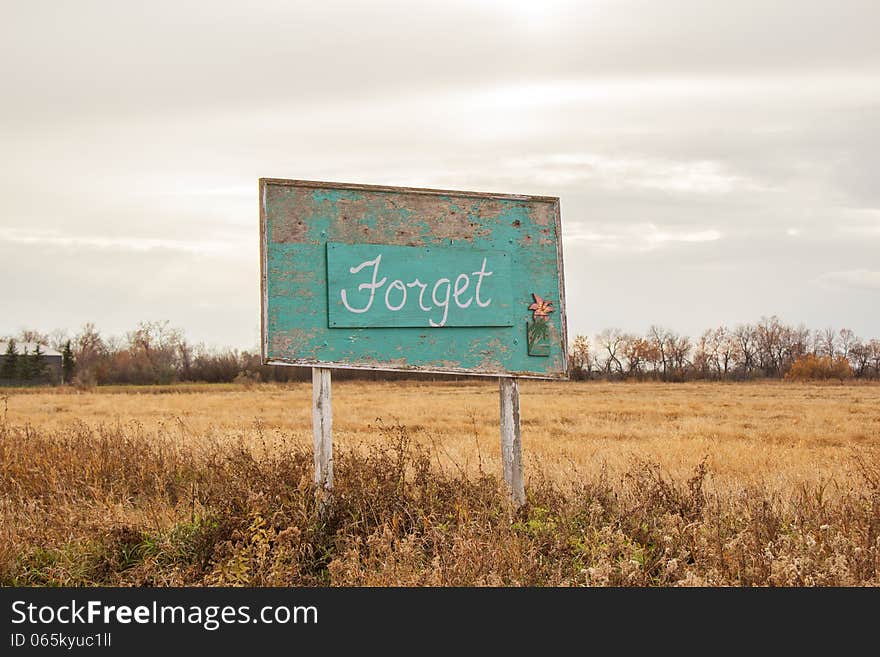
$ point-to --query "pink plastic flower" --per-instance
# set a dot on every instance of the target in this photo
(542, 308)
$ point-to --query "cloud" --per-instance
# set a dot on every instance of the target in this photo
(860, 222)
(229, 191)
(138, 244)
(620, 173)
(640, 237)
(864, 279)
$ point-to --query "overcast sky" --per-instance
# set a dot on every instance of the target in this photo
(716, 162)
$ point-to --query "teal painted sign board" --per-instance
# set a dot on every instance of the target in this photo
(403, 279)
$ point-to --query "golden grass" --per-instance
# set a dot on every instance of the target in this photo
(637, 484)
(770, 434)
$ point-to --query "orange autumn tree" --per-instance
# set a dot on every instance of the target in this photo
(819, 368)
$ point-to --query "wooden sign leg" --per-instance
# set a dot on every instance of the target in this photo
(511, 441)
(322, 427)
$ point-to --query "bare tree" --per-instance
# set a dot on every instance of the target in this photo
(30, 335)
(845, 341)
(609, 342)
(185, 357)
(826, 343)
(89, 349)
(658, 337)
(678, 348)
(706, 361)
(874, 347)
(58, 338)
(798, 343)
(745, 348)
(726, 344)
(860, 358)
(769, 337)
(154, 351)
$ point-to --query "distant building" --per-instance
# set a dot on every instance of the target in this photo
(49, 365)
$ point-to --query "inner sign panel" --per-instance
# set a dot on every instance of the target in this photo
(373, 285)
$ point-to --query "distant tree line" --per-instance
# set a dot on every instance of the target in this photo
(157, 353)
(766, 349)
(152, 353)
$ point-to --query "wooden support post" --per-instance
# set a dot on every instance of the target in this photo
(511, 440)
(322, 427)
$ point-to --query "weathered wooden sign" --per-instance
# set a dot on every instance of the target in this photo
(360, 276)
(370, 277)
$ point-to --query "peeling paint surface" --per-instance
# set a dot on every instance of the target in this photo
(299, 218)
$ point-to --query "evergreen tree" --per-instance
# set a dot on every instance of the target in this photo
(37, 363)
(24, 364)
(68, 363)
(10, 361)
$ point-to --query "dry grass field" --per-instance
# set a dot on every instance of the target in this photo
(633, 484)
